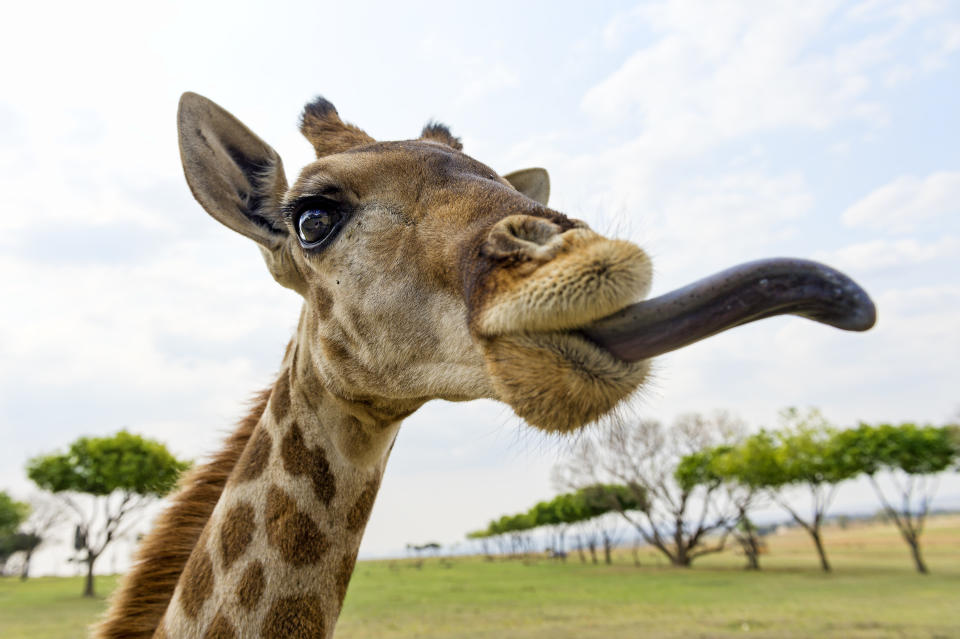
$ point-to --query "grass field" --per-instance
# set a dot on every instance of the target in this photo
(872, 593)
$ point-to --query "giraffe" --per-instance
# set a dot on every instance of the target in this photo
(424, 274)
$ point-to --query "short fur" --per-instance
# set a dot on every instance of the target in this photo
(148, 586)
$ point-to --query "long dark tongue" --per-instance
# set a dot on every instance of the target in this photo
(738, 295)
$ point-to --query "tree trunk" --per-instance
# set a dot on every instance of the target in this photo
(752, 551)
(88, 583)
(606, 553)
(917, 558)
(820, 550)
(25, 571)
(751, 548)
(681, 558)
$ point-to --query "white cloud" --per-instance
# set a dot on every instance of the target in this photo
(884, 254)
(903, 204)
(721, 70)
(725, 69)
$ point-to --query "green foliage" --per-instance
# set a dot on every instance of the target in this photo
(916, 450)
(568, 508)
(478, 534)
(753, 463)
(808, 451)
(953, 434)
(512, 524)
(12, 513)
(17, 542)
(546, 513)
(101, 465)
(600, 499)
(699, 468)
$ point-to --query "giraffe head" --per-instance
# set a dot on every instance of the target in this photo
(425, 273)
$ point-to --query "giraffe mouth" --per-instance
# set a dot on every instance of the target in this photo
(733, 297)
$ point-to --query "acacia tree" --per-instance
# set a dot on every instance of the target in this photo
(483, 536)
(803, 454)
(557, 515)
(675, 517)
(45, 513)
(12, 513)
(733, 465)
(119, 475)
(912, 456)
(597, 501)
(808, 456)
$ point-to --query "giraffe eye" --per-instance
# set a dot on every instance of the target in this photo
(316, 225)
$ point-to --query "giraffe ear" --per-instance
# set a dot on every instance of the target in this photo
(237, 177)
(534, 183)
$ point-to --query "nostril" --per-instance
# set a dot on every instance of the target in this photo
(532, 229)
(523, 236)
(526, 228)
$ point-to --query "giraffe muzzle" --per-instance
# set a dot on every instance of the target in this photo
(736, 296)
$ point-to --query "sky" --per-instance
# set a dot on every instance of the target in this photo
(710, 133)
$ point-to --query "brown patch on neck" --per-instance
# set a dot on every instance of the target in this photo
(139, 604)
(236, 533)
(292, 531)
(298, 459)
(358, 515)
(220, 629)
(347, 564)
(298, 616)
(280, 398)
(251, 586)
(197, 582)
(255, 457)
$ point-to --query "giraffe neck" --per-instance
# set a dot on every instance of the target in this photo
(276, 556)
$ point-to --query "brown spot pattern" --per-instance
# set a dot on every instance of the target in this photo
(347, 563)
(335, 351)
(309, 384)
(140, 602)
(291, 531)
(236, 533)
(298, 459)
(280, 398)
(197, 581)
(251, 586)
(255, 457)
(220, 629)
(299, 617)
(323, 302)
(358, 515)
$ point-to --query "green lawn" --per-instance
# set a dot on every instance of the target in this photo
(872, 593)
